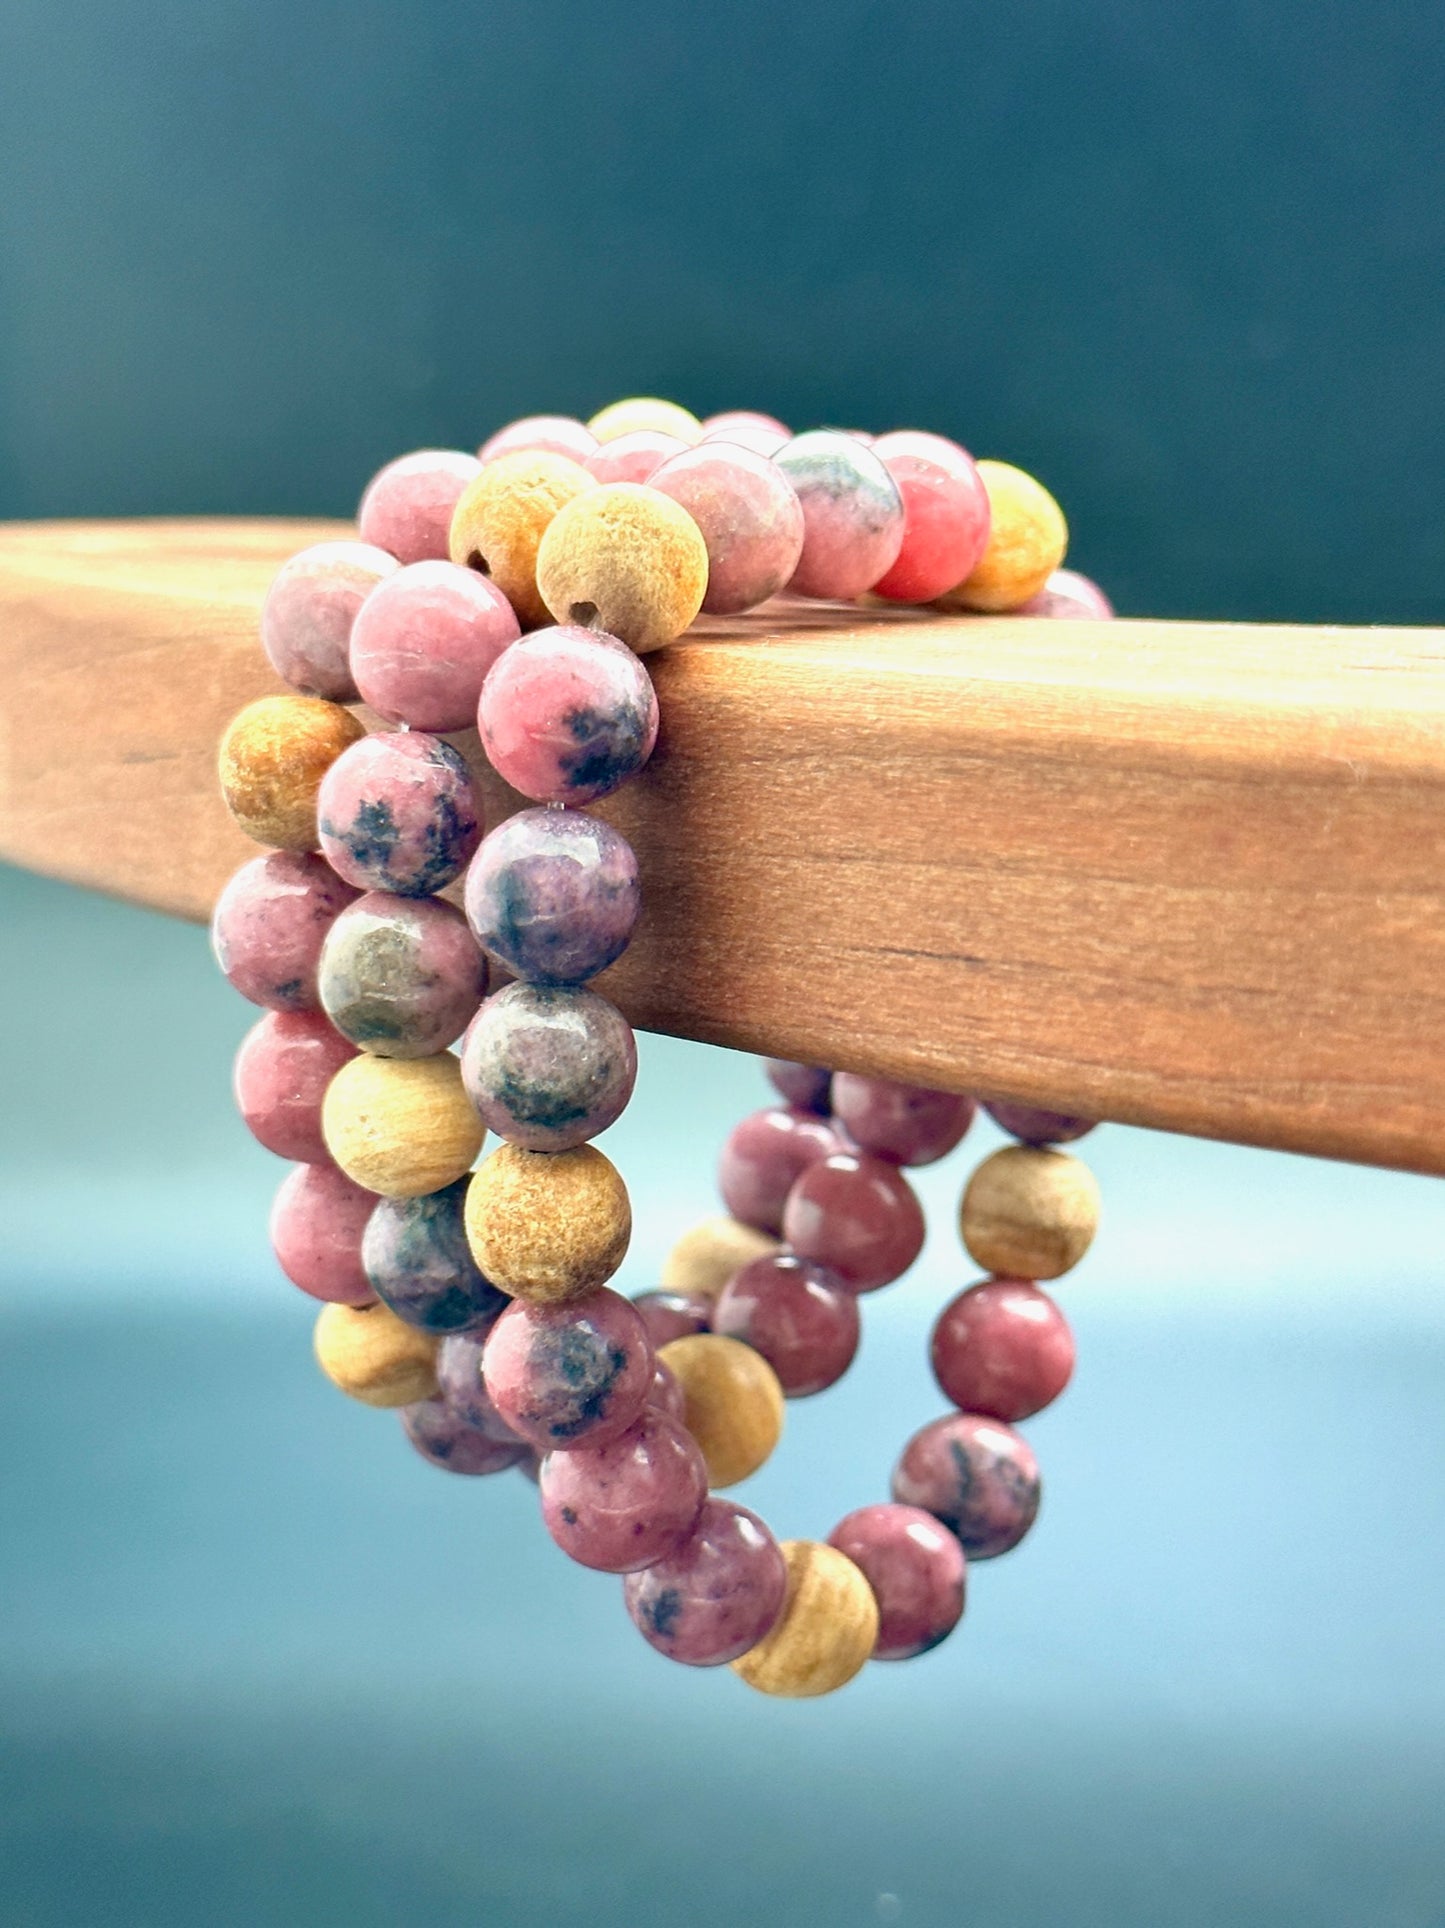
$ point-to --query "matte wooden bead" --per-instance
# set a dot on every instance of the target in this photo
(638, 412)
(705, 1258)
(372, 1356)
(1026, 542)
(1029, 1212)
(502, 515)
(626, 559)
(273, 757)
(734, 1403)
(401, 1126)
(548, 1226)
(825, 1632)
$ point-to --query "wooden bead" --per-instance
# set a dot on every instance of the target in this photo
(1026, 542)
(273, 757)
(401, 1126)
(1029, 1212)
(646, 412)
(625, 559)
(733, 1401)
(705, 1258)
(548, 1226)
(502, 515)
(374, 1357)
(827, 1629)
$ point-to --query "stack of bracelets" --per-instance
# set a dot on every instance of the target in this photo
(517, 592)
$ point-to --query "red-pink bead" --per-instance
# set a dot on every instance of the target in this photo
(945, 515)
(270, 923)
(666, 1392)
(1002, 1348)
(750, 518)
(1069, 596)
(282, 1070)
(567, 715)
(566, 1375)
(717, 1595)
(726, 426)
(317, 1225)
(1031, 1125)
(424, 641)
(916, 1569)
(309, 609)
(397, 812)
(903, 1124)
(558, 434)
(633, 458)
(762, 1159)
(460, 1385)
(807, 1087)
(407, 507)
(976, 1475)
(440, 1436)
(798, 1315)
(624, 1505)
(856, 1215)
(672, 1315)
(852, 514)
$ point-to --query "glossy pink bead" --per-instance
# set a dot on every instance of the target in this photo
(977, 1476)
(397, 812)
(852, 514)
(717, 1595)
(461, 1387)
(1033, 1126)
(269, 925)
(1002, 1348)
(1069, 596)
(622, 1506)
(559, 434)
(401, 976)
(761, 441)
(567, 715)
(666, 1392)
(725, 427)
(750, 518)
(672, 1315)
(317, 1224)
(562, 1376)
(903, 1124)
(407, 507)
(548, 1068)
(424, 641)
(762, 1158)
(447, 1441)
(282, 1070)
(798, 1315)
(807, 1087)
(946, 515)
(856, 1215)
(916, 1569)
(633, 458)
(309, 609)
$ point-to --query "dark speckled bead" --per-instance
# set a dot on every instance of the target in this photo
(459, 1380)
(916, 1569)
(567, 1375)
(623, 1505)
(977, 1475)
(397, 812)
(270, 923)
(717, 1595)
(416, 1256)
(567, 714)
(548, 1068)
(401, 976)
(447, 1441)
(553, 895)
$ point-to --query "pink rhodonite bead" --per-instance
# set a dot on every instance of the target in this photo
(807, 1087)
(461, 1386)
(1069, 596)
(566, 1375)
(401, 976)
(447, 1441)
(672, 1315)
(567, 715)
(558, 434)
(424, 641)
(917, 1572)
(1002, 1348)
(799, 1316)
(621, 1506)
(717, 1595)
(726, 426)
(317, 1225)
(946, 515)
(976, 1475)
(666, 1392)
(1033, 1126)
(309, 609)
(270, 923)
(763, 1157)
(750, 517)
(856, 1215)
(852, 514)
(407, 507)
(282, 1070)
(903, 1124)
(396, 812)
(633, 458)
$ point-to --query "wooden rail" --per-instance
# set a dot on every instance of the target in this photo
(1187, 875)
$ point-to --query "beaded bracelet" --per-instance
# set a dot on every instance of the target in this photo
(476, 1300)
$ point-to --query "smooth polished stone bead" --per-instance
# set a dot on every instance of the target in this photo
(717, 1595)
(551, 434)
(702, 1261)
(1002, 1348)
(282, 1070)
(269, 925)
(460, 1386)
(763, 1157)
(444, 1439)
(401, 1127)
(975, 1474)
(418, 1262)
(626, 559)
(903, 1124)
(567, 715)
(746, 435)
(408, 505)
(309, 609)
(397, 813)
(734, 1403)
(1031, 1125)
(501, 517)
(638, 413)
(945, 515)
(750, 517)
(620, 1506)
(825, 1633)
(1029, 1213)
(318, 1221)
(1026, 543)
(634, 457)
(725, 426)
(552, 895)
(401, 977)
(549, 1068)
(799, 1316)
(1069, 597)
(673, 1315)
(807, 1087)
(856, 1215)
(666, 1391)
(548, 1226)
(916, 1569)
(424, 641)
(369, 1354)
(562, 1376)
(852, 514)
(274, 755)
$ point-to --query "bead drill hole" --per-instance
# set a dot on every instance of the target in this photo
(476, 560)
(583, 613)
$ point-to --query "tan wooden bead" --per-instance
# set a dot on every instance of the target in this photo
(706, 1257)
(274, 754)
(1029, 1213)
(734, 1402)
(502, 515)
(401, 1126)
(375, 1357)
(640, 412)
(629, 560)
(548, 1226)
(827, 1629)
(1027, 540)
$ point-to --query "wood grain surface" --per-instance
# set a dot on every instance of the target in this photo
(1186, 875)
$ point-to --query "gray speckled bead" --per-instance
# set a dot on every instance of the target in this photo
(417, 1261)
(447, 1441)
(852, 514)
(549, 1068)
(400, 976)
(397, 812)
(553, 895)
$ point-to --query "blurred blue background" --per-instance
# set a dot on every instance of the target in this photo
(258, 1664)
